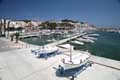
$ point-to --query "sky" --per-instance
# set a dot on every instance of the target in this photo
(102, 13)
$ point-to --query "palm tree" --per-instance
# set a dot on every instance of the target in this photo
(17, 36)
(0, 27)
(4, 26)
(8, 28)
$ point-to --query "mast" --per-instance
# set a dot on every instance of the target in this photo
(70, 53)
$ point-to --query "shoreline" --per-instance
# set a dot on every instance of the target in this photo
(26, 66)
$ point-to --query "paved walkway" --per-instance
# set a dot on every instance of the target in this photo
(114, 64)
(5, 45)
(22, 65)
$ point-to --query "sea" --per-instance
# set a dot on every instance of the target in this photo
(107, 44)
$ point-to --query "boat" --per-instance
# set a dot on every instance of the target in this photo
(75, 61)
(51, 40)
(66, 46)
(85, 40)
(95, 35)
(45, 51)
(66, 35)
(77, 42)
(119, 31)
(88, 37)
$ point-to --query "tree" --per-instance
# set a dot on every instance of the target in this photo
(17, 36)
(52, 25)
(48, 25)
(19, 29)
(4, 26)
(66, 25)
(1, 27)
(26, 21)
(8, 28)
(68, 20)
(82, 22)
(44, 25)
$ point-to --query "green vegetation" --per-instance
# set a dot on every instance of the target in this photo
(26, 21)
(16, 36)
(53, 25)
(81, 22)
(68, 20)
(49, 25)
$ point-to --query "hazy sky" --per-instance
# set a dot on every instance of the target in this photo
(98, 12)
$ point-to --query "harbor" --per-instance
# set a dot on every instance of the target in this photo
(25, 66)
(60, 40)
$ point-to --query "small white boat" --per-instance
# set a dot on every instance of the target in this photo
(66, 46)
(45, 51)
(66, 35)
(51, 40)
(75, 61)
(119, 31)
(85, 40)
(88, 37)
(93, 35)
(77, 42)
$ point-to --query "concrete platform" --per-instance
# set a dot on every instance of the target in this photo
(22, 65)
(106, 62)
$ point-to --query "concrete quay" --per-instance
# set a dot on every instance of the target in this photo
(114, 64)
(22, 65)
(64, 40)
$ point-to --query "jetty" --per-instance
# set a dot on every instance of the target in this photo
(114, 64)
(65, 40)
(27, 35)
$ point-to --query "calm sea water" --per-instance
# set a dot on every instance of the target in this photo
(41, 40)
(107, 45)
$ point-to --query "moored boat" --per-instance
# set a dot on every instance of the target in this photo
(76, 60)
(85, 40)
(45, 51)
(77, 42)
(88, 37)
(95, 35)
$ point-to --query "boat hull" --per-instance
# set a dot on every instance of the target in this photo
(73, 66)
(45, 52)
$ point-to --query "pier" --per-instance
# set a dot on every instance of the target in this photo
(114, 64)
(65, 40)
(29, 35)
